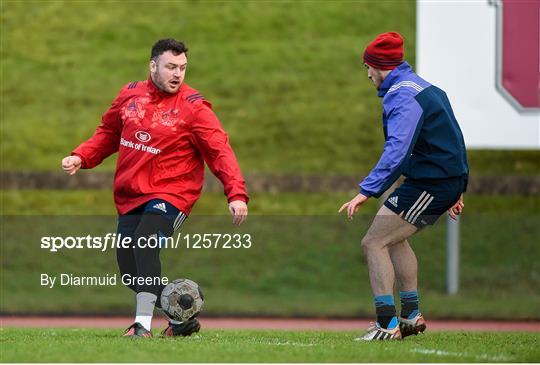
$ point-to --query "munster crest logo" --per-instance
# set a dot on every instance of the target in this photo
(167, 117)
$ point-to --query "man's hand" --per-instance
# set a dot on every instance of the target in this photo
(456, 208)
(71, 164)
(239, 211)
(353, 205)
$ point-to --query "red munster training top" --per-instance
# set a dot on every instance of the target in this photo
(162, 142)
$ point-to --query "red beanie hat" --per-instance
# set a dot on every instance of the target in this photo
(385, 52)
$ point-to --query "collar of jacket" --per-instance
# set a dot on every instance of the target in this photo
(393, 77)
(157, 92)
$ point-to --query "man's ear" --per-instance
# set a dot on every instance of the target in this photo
(153, 66)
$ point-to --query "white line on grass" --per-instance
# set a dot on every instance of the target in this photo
(288, 343)
(461, 354)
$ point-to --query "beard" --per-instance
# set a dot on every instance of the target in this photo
(165, 84)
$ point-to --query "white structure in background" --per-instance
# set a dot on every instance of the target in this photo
(486, 56)
(475, 52)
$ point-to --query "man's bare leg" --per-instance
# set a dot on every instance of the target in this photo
(405, 265)
(406, 269)
(386, 230)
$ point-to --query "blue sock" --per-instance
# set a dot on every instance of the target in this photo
(386, 311)
(409, 303)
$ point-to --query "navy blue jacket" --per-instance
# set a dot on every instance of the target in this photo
(423, 138)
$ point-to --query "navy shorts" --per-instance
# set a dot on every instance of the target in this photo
(422, 202)
(128, 223)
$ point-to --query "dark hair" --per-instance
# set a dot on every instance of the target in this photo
(168, 44)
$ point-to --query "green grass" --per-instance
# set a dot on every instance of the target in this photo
(303, 254)
(285, 77)
(100, 345)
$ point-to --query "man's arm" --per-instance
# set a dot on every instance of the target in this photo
(103, 143)
(213, 143)
(403, 125)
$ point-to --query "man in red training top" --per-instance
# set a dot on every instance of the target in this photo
(163, 131)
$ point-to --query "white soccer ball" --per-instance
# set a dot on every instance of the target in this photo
(182, 299)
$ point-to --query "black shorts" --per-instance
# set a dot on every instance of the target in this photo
(422, 202)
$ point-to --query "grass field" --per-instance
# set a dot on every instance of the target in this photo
(91, 345)
(285, 78)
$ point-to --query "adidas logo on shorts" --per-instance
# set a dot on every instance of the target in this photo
(393, 200)
(160, 206)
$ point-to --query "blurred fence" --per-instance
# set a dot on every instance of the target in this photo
(500, 185)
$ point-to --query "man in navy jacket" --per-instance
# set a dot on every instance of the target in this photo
(424, 143)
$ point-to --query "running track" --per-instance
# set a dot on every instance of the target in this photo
(264, 323)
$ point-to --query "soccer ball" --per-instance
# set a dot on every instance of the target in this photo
(182, 299)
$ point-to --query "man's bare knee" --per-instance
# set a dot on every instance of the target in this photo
(365, 243)
(387, 229)
(373, 243)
